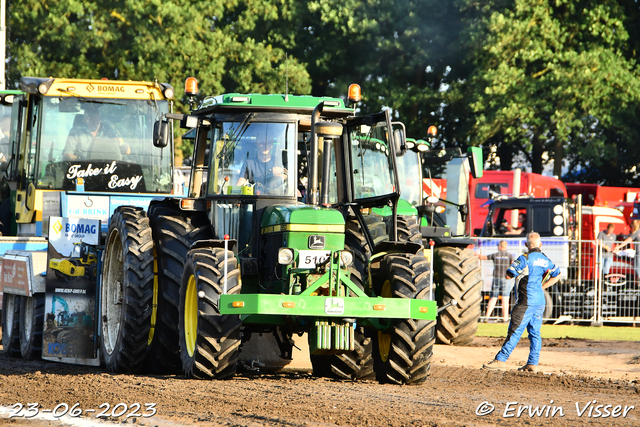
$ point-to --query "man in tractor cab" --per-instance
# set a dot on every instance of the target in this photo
(93, 138)
(263, 166)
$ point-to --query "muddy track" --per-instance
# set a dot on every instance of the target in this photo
(451, 396)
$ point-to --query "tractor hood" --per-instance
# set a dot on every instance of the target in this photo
(302, 218)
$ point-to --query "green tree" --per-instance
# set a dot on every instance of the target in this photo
(555, 77)
(145, 40)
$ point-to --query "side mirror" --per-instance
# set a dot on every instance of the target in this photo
(399, 142)
(160, 134)
(475, 161)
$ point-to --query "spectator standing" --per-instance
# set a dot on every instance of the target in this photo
(606, 239)
(530, 269)
(500, 285)
(634, 237)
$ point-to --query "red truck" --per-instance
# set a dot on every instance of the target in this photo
(502, 183)
(621, 198)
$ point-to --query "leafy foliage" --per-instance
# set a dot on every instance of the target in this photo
(556, 79)
(542, 79)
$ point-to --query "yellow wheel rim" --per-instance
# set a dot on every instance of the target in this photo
(191, 316)
(384, 340)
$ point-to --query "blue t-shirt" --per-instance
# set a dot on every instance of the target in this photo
(529, 269)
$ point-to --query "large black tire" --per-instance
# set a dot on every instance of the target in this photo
(403, 352)
(174, 231)
(459, 278)
(356, 364)
(31, 326)
(11, 325)
(209, 342)
(5, 217)
(127, 291)
(355, 241)
(408, 228)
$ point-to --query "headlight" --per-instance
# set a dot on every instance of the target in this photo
(285, 256)
(346, 258)
(168, 93)
(43, 88)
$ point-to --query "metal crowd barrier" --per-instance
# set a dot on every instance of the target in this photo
(585, 294)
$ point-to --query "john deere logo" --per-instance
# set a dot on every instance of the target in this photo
(334, 306)
(316, 242)
(57, 227)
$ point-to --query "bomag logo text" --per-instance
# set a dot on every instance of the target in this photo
(114, 89)
(80, 228)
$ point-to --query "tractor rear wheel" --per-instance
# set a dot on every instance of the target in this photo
(403, 351)
(11, 324)
(209, 342)
(408, 228)
(127, 291)
(460, 279)
(31, 326)
(174, 231)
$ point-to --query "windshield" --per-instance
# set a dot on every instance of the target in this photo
(104, 145)
(254, 158)
(409, 176)
(5, 135)
(371, 161)
(446, 175)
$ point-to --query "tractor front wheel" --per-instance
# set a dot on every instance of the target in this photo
(174, 231)
(403, 351)
(460, 279)
(209, 342)
(127, 291)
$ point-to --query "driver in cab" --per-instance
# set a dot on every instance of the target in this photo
(262, 169)
(86, 139)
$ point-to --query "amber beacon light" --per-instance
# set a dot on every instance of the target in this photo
(355, 95)
(191, 86)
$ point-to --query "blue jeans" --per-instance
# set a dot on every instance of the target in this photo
(501, 286)
(607, 262)
(529, 317)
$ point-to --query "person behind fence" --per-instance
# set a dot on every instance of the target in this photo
(530, 270)
(606, 239)
(500, 286)
(633, 237)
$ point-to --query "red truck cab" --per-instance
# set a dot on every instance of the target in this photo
(501, 183)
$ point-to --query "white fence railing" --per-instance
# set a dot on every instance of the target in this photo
(585, 293)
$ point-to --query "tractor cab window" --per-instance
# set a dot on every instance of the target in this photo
(446, 176)
(254, 159)
(371, 161)
(410, 184)
(104, 145)
(509, 222)
(5, 135)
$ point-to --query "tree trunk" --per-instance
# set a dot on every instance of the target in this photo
(536, 152)
(505, 152)
(558, 155)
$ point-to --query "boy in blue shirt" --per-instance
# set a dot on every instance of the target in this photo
(530, 270)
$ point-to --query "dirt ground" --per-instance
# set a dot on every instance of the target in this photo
(580, 382)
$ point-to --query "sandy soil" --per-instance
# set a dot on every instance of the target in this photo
(575, 373)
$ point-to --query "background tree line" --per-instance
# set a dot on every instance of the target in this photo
(528, 80)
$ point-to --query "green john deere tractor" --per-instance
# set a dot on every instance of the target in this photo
(283, 233)
(434, 183)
